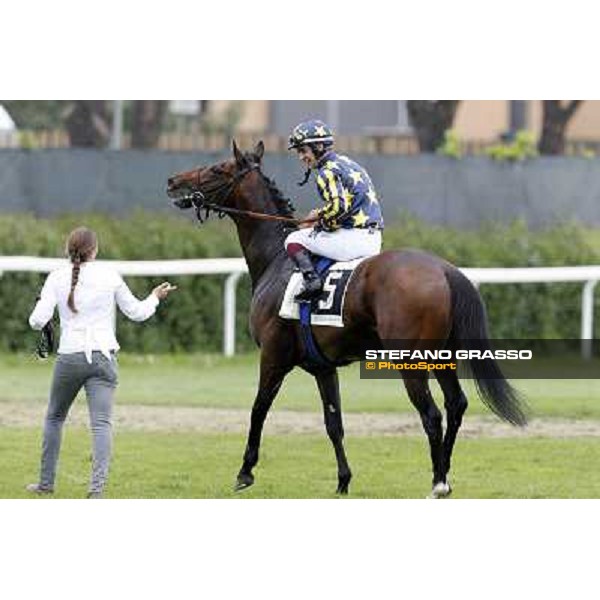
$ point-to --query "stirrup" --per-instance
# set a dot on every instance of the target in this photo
(308, 293)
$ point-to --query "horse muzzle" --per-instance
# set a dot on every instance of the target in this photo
(183, 202)
(185, 198)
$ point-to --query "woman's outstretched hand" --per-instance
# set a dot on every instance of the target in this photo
(162, 291)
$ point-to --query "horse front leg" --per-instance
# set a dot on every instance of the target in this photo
(271, 378)
(329, 388)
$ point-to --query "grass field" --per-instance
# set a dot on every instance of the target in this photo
(164, 465)
(187, 464)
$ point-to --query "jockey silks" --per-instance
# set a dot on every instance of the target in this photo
(350, 199)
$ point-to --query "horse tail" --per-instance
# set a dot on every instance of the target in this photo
(470, 332)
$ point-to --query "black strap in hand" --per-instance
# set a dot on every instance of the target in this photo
(45, 342)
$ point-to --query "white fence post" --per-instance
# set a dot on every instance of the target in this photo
(229, 298)
(587, 318)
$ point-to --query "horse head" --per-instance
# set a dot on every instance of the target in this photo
(213, 187)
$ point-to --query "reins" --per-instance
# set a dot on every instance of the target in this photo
(198, 199)
(200, 203)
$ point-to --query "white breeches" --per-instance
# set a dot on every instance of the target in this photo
(343, 244)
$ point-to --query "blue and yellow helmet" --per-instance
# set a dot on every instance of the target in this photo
(310, 132)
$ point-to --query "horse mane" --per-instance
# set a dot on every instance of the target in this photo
(285, 206)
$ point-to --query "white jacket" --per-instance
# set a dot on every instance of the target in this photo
(99, 289)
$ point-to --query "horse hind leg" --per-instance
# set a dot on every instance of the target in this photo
(455, 404)
(420, 396)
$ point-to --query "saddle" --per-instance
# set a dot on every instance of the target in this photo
(325, 309)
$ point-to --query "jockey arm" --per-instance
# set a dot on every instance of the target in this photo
(337, 205)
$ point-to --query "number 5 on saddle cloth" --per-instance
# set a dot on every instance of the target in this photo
(327, 308)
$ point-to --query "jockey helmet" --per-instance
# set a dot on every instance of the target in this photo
(310, 132)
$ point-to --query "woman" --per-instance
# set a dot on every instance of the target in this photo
(349, 224)
(86, 294)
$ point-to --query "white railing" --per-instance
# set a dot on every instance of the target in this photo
(589, 275)
(236, 267)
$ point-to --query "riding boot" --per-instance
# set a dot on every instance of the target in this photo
(313, 284)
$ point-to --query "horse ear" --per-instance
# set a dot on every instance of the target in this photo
(259, 151)
(239, 157)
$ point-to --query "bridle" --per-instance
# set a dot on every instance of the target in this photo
(221, 192)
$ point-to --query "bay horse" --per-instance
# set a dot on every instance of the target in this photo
(397, 295)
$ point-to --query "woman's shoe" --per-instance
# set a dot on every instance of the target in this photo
(36, 488)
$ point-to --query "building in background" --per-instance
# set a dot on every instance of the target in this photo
(476, 120)
(369, 126)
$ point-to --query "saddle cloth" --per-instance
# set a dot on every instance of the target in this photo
(328, 307)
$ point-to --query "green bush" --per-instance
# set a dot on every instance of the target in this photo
(451, 146)
(192, 318)
(525, 311)
(522, 147)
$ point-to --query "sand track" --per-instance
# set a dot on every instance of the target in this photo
(212, 420)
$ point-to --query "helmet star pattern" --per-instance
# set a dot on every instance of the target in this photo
(372, 196)
(310, 132)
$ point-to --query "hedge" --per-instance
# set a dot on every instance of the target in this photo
(191, 319)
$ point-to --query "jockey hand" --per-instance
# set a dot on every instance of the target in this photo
(162, 291)
(312, 216)
(327, 224)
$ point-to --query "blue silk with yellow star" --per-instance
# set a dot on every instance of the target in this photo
(348, 193)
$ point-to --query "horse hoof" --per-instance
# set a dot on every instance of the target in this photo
(243, 482)
(343, 483)
(440, 490)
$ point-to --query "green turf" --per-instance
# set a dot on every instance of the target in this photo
(157, 465)
(215, 381)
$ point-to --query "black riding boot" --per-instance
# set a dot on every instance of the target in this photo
(313, 284)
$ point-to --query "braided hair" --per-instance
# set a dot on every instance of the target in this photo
(81, 244)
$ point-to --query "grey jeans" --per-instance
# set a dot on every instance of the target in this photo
(71, 373)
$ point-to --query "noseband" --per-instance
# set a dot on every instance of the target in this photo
(220, 194)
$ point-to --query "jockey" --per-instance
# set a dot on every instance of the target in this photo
(349, 224)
